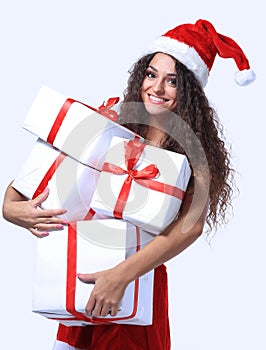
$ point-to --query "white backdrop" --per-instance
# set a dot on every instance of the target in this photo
(84, 49)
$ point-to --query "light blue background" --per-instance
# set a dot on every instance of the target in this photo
(83, 49)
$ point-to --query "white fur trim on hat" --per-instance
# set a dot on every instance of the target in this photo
(183, 53)
(245, 77)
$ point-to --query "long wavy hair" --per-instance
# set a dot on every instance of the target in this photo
(193, 110)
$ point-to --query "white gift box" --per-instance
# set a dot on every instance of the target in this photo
(73, 127)
(87, 247)
(152, 202)
(71, 184)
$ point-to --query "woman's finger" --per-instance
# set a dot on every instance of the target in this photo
(113, 310)
(38, 234)
(90, 307)
(49, 213)
(106, 310)
(50, 220)
(36, 202)
(48, 227)
(87, 277)
(96, 311)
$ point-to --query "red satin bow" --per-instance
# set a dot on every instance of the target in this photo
(105, 109)
(133, 150)
(144, 177)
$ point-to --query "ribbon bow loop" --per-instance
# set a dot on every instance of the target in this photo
(105, 108)
(133, 150)
(149, 172)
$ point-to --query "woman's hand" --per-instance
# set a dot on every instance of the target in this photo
(107, 293)
(28, 214)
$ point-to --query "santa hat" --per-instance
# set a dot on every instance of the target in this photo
(196, 45)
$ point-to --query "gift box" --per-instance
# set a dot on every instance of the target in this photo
(73, 127)
(142, 184)
(71, 184)
(87, 247)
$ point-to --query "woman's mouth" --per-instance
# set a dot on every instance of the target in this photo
(156, 99)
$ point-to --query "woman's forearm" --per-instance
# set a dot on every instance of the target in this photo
(176, 238)
(11, 196)
(161, 249)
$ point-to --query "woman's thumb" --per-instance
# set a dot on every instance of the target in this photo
(38, 200)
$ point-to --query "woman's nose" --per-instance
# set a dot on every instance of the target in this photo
(158, 86)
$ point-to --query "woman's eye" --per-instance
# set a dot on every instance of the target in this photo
(172, 82)
(150, 75)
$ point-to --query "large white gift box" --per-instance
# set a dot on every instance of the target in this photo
(142, 184)
(87, 247)
(71, 184)
(73, 127)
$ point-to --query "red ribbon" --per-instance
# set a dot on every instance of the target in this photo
(47, 177)
(90, 214)
(104, 110)
(133, 150)
(71, 272)
(72, 279)
(50, 172)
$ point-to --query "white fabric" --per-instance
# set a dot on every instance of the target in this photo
(59, 345)
(245, 77)
(183, 53)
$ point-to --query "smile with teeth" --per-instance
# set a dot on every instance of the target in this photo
(156, 99)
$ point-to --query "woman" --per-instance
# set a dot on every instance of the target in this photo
(164, 100)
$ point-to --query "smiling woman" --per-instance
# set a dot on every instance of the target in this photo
(159, 85)
(165, 103)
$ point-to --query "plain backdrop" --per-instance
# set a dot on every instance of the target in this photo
(84, 49)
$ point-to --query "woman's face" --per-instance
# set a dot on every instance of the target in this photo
(158, 89)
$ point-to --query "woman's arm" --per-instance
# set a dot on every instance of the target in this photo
(111, 284)
(27, 213)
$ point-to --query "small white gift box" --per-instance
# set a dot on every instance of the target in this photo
(71, 184)
(87, 247)
(142, 184)
(77, 129)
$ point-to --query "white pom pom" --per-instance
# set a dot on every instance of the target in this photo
(245, 77)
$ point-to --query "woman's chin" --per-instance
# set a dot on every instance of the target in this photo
(156, 110)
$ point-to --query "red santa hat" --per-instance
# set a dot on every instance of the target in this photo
(196, 46)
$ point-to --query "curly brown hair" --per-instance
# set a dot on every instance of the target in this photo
(194, 111)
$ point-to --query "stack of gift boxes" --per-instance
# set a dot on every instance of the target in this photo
(118, 192)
